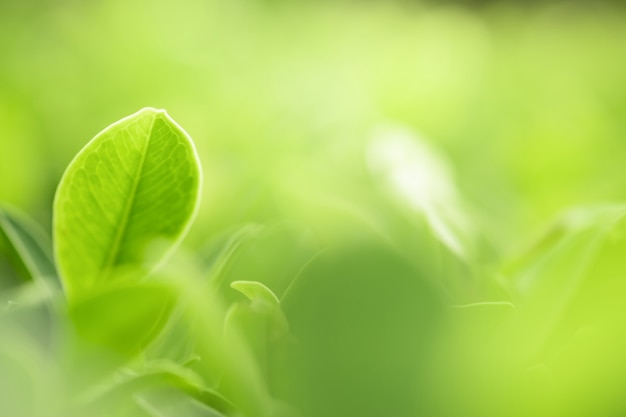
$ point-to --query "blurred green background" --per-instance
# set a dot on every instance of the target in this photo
(281, 97)
(313, 120)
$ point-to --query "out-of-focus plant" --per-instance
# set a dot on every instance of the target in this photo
(370, 171)
(394, 316)
(102, 325)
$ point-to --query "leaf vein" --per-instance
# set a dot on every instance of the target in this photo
(120, 232)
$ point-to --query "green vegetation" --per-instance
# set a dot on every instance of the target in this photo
(402, 210)
(137, 182)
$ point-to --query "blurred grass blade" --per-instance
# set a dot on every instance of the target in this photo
(136, 182)
(27, 246)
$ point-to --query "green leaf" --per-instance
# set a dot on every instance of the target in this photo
(124, 319)
(28, 247)
(224, 360)
(256, 292)
(137, 182)
(261, 322)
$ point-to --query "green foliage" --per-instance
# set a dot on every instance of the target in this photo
(571, 287)
(135, 183)
(365, 326)
(363, 310)
(122, 319)
(372, 176)
(28, 247)
(123, 204)
(256, 292)
(169, 378)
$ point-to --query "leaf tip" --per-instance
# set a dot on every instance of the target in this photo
(153, 111)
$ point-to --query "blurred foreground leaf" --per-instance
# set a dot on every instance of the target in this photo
(366, 321)
(123, 319)
(27, 246)
(572, 290)
(571, 275)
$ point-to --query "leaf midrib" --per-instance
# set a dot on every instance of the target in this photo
(128, 207)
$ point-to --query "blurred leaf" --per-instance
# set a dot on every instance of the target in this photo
(136, 182)
(223, 259)
(262, 324)
(175, 341)
(426, 211)
(271, 254)
(421, 177)
(123, 319)
(27, 246)
(155, 375)
(169, 402)
(31, 309)
(366, 321)
(256, 292)
(227, 365)
(571, 288)
(560, 280)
